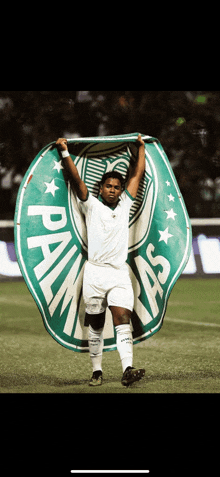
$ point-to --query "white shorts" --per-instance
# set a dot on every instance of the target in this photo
(107, 286)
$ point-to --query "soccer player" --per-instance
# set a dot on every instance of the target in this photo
(106, 280)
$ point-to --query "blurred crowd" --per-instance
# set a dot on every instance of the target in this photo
(187, 123)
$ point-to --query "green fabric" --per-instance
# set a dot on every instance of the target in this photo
(51, 239)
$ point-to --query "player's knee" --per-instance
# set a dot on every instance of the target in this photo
(124, 319)
(96, 321)
(121, 316)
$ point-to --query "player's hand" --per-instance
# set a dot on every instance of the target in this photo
(140, 141)
(61, 144)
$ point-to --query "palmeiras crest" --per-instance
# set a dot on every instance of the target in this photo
(51, 238)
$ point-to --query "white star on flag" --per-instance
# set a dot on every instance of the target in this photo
(58, 166)
(164, 235)
(170, 214)
(167, 183)
(171, 197)
(51, 187)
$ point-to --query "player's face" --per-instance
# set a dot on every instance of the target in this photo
(111, 190)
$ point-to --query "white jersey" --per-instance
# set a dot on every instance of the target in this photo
(107, 230)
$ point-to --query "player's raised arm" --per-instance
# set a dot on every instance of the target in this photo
(76, 182)
(138, 169)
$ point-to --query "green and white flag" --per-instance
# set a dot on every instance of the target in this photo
(51, 238)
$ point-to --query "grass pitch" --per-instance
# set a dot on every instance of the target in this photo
(183, 357)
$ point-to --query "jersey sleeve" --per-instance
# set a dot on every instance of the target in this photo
(86, 205)
(129, 195)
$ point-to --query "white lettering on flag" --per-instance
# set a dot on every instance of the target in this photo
(48, 281)
(159, 260)
(46, 212)
(71, 289)
(44, 241)
(151, 291)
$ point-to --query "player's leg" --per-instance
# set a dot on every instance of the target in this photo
(95, 302)
(121, 319)
(120, 300)
(95, 340)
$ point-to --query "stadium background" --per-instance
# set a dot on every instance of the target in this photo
(186, 123)
(183, 358)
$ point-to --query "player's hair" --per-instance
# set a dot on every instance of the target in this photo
(113, 175)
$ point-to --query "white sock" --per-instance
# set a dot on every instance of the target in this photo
(95, 340)
(125, 345)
